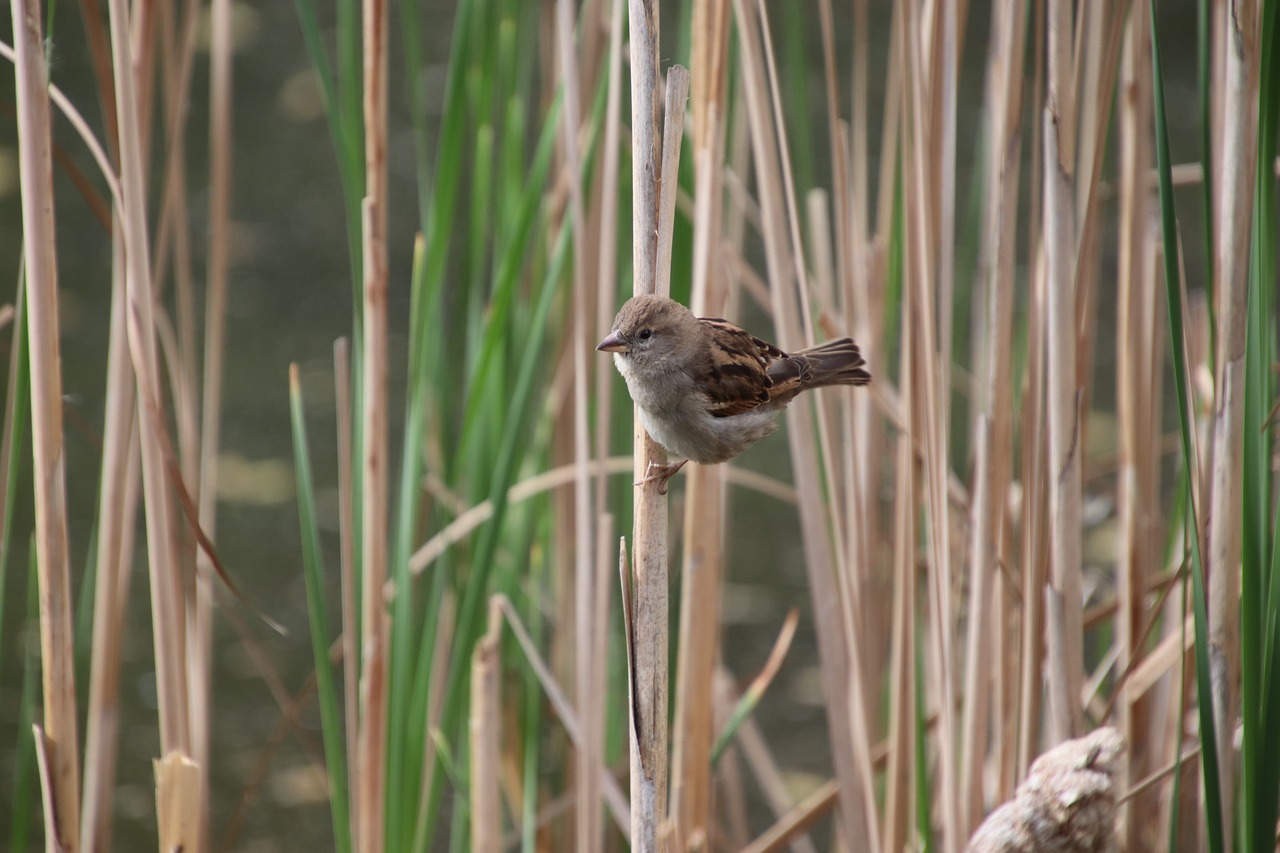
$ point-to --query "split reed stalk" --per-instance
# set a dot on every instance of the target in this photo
(202, 452)
(1063, 630)
(371, 769)
(702, 568)
(1234, 225)
(1137, 408)
(651, 240)
(117, 500)
(57, 736)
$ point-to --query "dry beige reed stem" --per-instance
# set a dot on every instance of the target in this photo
(220, 146)
(371, 764)
(648, 619)
(703, 566)
(1231, 275)
(899, 791)
(1064, 632)
(1138, 410)
(117, 515)
(993, 427)
(485, 728)
(789, 302)
(589, 827)
(167, 605)
(59, 740)
(928, 408)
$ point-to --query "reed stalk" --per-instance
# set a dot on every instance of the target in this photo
(1233, 228)
(57, 738)
(1063, 607)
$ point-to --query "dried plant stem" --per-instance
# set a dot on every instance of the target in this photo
(118, 504)
(485, 729)
(1064, 631)
(167, 600)
(651, 242)
(789, 298)
(590, 827)
(701, 578)
(703, 565)
(1138, 418)
(58, 741)
(993, 426)
(371, 766)
(220, 146)
(899, 794)
(1231, 277)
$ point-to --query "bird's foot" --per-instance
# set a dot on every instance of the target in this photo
(660, 474)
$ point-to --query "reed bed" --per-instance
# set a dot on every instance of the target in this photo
(1051, 512)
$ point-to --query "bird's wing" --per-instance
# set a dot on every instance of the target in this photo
(736, 376)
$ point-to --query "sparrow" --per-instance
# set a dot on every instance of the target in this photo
(707, 389)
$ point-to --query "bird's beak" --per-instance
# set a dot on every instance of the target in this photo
(613, 343)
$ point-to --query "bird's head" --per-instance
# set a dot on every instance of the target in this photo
(652, 332)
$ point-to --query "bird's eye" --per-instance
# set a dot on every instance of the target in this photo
(645, 334)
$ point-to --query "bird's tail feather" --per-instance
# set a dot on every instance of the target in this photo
(837, 362)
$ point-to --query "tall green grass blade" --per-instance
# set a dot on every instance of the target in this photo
(344, 112)
(1173, 288)
(1175, 793)
(1260, 558)
(84, 609)
(24, 765)
(503, 468)
(17, 415)
(506, 278)
(402, 782)
(317, 608)
(924, 799)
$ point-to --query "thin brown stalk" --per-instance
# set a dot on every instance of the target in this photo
(594, 712)
(589, 834)
(980, 637)
(485, 728)
(167, 599)
(1137, 407)
(651, 238)
(1064, 631)
(371, 764)
(928, 416)
(1034, 541)
(1231, 275)
(117, 511)
(994, 428)
(703, 565)
(899, 792)
(781, 241)
(60, 738)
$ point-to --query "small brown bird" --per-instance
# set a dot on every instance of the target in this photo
(708, 390)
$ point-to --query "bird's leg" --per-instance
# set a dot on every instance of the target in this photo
(660, 474)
